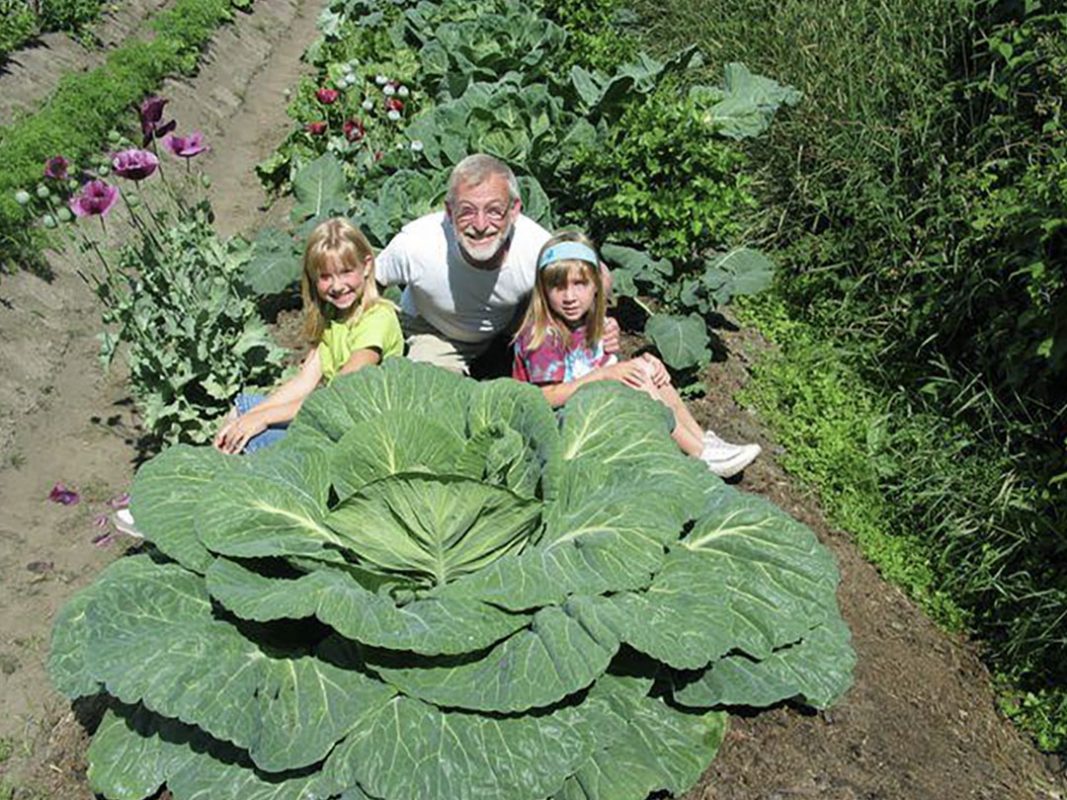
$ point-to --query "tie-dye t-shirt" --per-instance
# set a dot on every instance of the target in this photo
(557, 359)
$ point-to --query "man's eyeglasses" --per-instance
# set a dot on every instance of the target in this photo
(494, 213)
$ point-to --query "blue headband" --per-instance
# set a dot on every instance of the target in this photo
(565, 251)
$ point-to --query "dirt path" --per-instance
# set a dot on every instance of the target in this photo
(64, 420)
(920, 722)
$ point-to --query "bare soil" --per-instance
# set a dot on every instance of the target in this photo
(919, 723)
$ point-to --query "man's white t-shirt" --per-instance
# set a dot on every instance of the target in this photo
(462, 302)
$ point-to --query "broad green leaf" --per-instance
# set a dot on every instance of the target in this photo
(154, 638)
(681, 341)
(320, 188)
(135, 748)
(397, 387)
(274, 266)
(66, 662)
(611, 537)
(749, 104)
(277, 506)
(390, 444)
(166, 496)
(818, 669)
(430, 626)
(615, 426)
(435, 529)
(741, 271)
(586, 85)
(408, 749)
(536, 667)
(657, 747)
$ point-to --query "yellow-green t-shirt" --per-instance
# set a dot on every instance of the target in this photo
(377, 327)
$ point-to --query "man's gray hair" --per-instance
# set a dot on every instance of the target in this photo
(475, 170)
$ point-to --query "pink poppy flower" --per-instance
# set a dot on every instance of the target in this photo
(186, 146)
(316, 128)
(95, 198)
(327, 96)
(61, 494)
(394, 104)
(134, 164)
(354, 130)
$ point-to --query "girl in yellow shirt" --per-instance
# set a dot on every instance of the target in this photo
(349, 324)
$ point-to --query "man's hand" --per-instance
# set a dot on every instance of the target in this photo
(612, 342)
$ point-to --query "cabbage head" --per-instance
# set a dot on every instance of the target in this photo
(437, 589)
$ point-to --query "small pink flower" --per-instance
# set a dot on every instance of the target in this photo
(103, 539)
(56, 167)
(135, 165)
(394, 104)
(61, 494)
(96, 198)
(316, 128)
(354, 130)
(186, 146)
(120, 500)
(100, 521)
(327, 96)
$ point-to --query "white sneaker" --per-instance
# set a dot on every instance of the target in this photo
(725, 459)
(124, 523)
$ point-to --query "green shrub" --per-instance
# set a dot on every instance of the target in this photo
(17, 25)
(662, 178)
(69, 15)
(188, 329)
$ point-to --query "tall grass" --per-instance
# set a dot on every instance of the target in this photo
(913, 210)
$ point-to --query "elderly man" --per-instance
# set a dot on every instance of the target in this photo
(469, 270)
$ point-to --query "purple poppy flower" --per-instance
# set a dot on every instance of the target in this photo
(152, 124)
(134, 165)
(316, 128)
(61, 494)
(56, 167)
(393, 104)
(186, 146)
(96, 198)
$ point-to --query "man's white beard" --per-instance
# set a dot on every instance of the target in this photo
(488, 250)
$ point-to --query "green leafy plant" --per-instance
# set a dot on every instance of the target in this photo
(432, 589)
(17, 25)
(191, 334)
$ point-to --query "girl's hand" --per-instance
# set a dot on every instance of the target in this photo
(632, 373)
(234, 435)
(656, 370)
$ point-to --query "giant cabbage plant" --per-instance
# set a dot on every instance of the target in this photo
(433, 588)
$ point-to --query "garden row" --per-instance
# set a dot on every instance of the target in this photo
(21, 21)
(76, 119)
(915, 203)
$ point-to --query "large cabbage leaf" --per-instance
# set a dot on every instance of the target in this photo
(436, 588)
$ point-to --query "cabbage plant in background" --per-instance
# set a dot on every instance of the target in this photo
(433, 588)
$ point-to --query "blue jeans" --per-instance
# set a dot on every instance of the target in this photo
(245, 403)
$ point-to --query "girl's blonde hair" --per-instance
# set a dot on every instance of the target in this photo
(335, 237)
(539, 320)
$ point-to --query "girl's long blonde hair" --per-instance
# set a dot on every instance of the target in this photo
(339, 238)
(539, 320)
